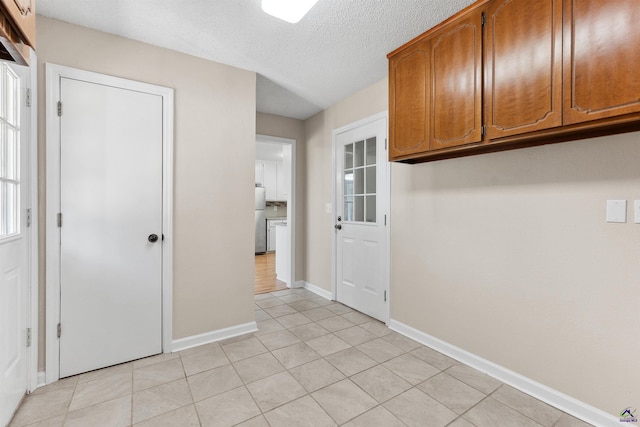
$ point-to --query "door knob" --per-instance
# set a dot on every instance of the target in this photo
(152, 238)
(338, 226)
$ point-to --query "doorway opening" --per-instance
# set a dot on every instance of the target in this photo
(275, 213)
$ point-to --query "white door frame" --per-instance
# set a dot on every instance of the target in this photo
(386, 202)
(291, 204)
(53, 75)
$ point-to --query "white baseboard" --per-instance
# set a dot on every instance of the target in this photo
(41, 380)
(533, 388)
(213, 336)
(315, 289)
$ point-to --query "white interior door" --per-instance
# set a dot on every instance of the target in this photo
(14, 240)
(111, 205)
(361, 209)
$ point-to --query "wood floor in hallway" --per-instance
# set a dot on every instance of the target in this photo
(266, 280)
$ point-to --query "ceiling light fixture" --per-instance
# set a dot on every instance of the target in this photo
(288, 10)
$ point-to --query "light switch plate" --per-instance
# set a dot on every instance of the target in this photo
(328, 207)
(636, 211)
(617, 211)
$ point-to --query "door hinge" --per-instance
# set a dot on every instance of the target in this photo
(484, 20)
(28, 337)
(59, 109)
(483, 130)
(59, 330)
(385, 220)
(28, 97)
(28, 218)
(60, 220)
(385, 144)
(385, 296)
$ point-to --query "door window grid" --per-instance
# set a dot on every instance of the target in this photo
(9, 153)
(359, 176)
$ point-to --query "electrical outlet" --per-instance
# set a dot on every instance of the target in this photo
(636, 211)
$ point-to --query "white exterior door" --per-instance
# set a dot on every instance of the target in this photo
(361, 211)
(111, 225)
(14, 240)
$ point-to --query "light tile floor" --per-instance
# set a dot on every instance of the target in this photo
(313, 362)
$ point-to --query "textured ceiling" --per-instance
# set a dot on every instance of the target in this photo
(339, 47)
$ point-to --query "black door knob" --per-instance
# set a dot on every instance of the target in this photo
(338, 226)
(152, 238)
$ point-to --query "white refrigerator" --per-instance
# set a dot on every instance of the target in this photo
(261, 221)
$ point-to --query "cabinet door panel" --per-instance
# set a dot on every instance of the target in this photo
(409, 100)
(601, 59)
(524, 66)
(457, 83)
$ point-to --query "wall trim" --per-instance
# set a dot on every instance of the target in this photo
(213, 336)
(315, 289)
(533, 388)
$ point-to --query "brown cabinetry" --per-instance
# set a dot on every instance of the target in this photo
(523, 66)
(602, 59)
(534, 72)
(17, 29)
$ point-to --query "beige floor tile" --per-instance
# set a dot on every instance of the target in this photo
(316, 375)
(533, 408)
(258, 367)
(199, 348)
(416, 409)
(319, 313)
(461, 422)
(159, 400)
(227, 409)
(42, 406)
(381, 383)
(434, 358)
(380, 350)
(113, 413)
(295, 355)
(291, 320)
(309, 331)
(50, 422)
(492, 413)
(350, 361)
(304, 305)
(275, 390)
(101, 390)
(105, 372)
(344, 400)
(411, 368)
(236, 339)
(262, 296)
(327, 344)
(259, 421)
(292, 298)
(147, 361)
(269, 302)
(244, 349)
(355, 335)
(321, 301)
(302, 412)
(377, 417)
(212, 357)
(377, 328)
(280, 310)
(213, 382)
(278, 339)
(268, 326)
(569, 421)
(356, 317)
(474, 378)
(339, 309)
(183, 417)
(65, 383)
(335, 323)
(156, 374)
(402, 342)
(261, 315)
(452, 393)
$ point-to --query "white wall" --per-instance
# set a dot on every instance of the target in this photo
(214, 165)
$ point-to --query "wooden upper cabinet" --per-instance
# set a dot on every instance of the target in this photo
(17, 30)
(523, 48)
(456, 78)
(601, 59)
(409, 100)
